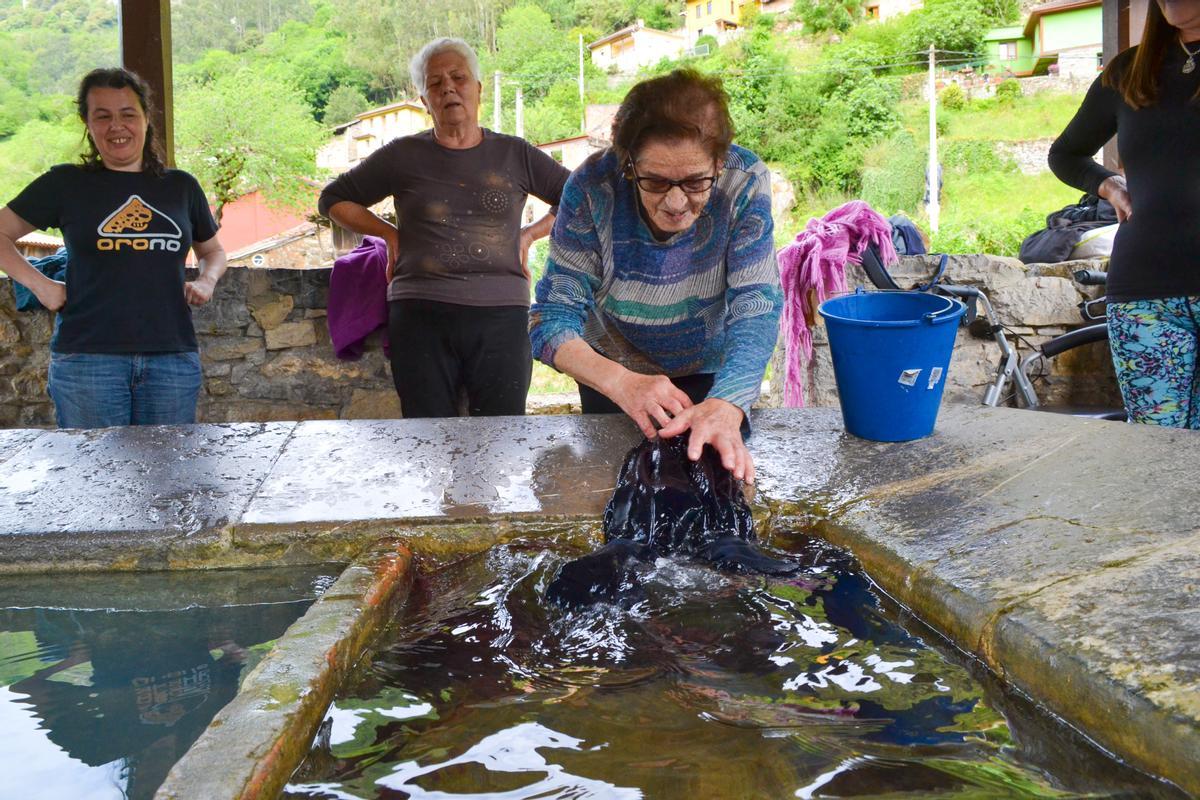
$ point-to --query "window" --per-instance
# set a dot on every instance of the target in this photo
(1008, 51)
(872, 12)
(697, 11)
(709, 9)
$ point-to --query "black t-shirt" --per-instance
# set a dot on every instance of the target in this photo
(1156, 253)
(458, 213)
(127, 235)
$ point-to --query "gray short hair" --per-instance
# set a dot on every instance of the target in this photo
(416, 67)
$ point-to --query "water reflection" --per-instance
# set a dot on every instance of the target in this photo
(102, 703)
(712, 685)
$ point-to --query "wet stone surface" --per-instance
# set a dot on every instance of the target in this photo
(162, 482)
(1049, 546)
(13, 442)
(397, 469)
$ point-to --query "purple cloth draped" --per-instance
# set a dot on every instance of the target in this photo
(813, 268)
(358, 298)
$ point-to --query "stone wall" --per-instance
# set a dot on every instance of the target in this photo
(1036, 302)
(24, 356)
(264, 346)
(266, 352)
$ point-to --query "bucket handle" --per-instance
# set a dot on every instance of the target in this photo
(946, 314)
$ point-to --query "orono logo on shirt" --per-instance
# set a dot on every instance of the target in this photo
(137, 225)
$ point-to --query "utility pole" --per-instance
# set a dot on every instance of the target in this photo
(520, 113)
(496, 101)
(582, 102)
(931, 171)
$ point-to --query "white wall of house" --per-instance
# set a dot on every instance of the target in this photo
(369, 131)
(882, 10)
(635, 47)
(1079, 62)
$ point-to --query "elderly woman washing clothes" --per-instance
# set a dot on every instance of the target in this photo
(661, 295)
(458, 288)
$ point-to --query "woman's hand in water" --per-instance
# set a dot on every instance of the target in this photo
(718, 423)
(649, 399)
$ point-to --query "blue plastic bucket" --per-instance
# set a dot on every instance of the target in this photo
(891, 351)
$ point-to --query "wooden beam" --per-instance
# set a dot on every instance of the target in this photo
(1115, 27)
(146, 49)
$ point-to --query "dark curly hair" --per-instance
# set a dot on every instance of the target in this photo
(153, 161)
(682, 104)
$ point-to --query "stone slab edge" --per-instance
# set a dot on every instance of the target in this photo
(254, 744)
(1119, 720)
(275, 544)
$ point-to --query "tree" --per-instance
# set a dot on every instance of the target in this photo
(312, 57)
(246, 131)
(384, 34)
(820, 16)
(532, 51)
(555, 117)
(35, 148)
(957, 26)
(232, 25)
(345, 103)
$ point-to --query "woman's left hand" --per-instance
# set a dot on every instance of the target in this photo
(526, 242)
(718, 423)
(199, 291)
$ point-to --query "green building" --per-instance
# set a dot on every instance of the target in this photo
(1066, 33)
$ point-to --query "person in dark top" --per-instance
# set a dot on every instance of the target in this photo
(124, 350)
(1149, 96)
(458, 293)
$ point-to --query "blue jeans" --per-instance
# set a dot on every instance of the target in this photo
(100, 390)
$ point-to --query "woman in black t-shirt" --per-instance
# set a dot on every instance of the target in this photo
(1149, 96)
(124, 350)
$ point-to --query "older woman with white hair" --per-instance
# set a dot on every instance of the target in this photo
(458, 286)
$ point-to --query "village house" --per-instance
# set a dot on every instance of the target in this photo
(1064, 36)
(37, 244)
(370, 130)
(629, 49)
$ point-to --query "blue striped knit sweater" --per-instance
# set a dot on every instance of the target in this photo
(707, 300)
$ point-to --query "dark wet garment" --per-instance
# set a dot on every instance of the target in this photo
(665, 504)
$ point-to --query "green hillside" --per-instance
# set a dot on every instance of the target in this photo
(828, 100)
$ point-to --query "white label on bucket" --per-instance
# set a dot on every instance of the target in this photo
(935, 375)
(909, 377)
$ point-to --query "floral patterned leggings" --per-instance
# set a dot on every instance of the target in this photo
(1154, 348)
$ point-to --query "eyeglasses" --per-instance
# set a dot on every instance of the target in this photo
(662, 185)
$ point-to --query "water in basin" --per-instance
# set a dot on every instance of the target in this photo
(105, 680)
(711, 686)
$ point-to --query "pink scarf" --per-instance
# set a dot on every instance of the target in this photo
(813, 268)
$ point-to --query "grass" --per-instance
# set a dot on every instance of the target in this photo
(1037, 116)
(549, 381)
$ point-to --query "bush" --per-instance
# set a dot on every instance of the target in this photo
(893, 177)
(345, 103)
(954, 25)
(973, 156)
(952, 98)
(998, 237)
(833, 159)
(820, 16)
(707, 41)
(1008, 90)
(871, 110)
